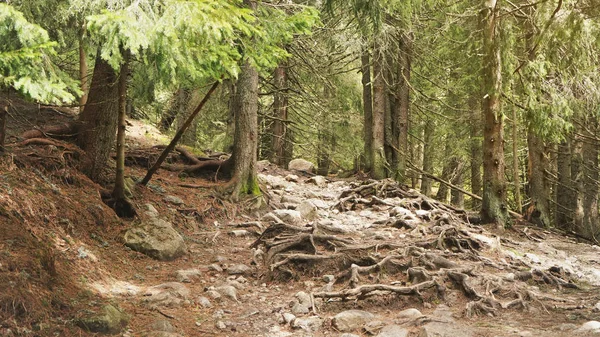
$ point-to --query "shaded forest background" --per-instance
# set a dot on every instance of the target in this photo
(497, 99)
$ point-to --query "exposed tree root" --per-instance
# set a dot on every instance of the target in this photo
(360, 292)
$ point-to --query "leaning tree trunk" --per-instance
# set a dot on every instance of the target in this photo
(98, 121)
(404, 106)
(280, 112)
(494, 208)
(367, 108)
(245, 140)
(378, 135)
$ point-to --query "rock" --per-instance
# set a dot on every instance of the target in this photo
(162, 334)
(219, 259)
(288, 216)
(215, 267)
(288, 317)
(215, 295)
(393, 331)
(310, 324)
(290, 199)
(307, 210)
(300, 309)
(319, 203)
(270, 217)
(239, 269)
(301, 165)
(170, 294)
(111, 321)
(262, 164)
(177, 201)
(596, 307)
(373, 327)
(444, 325)
(187, 275)
(590, 326)
(150, 211)
(318, 180)
(221, 325)
(349, 335)
(228, 291)
(157, 239)
(292, 177)
(401, 212)
(162, 325)
(240, 233)
(350, 320)
(328, 278)
(410, 314)
(84, 253)
(204, 302)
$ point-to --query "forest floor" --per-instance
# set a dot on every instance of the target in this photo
(323, 247)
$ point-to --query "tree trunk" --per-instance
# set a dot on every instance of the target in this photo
(83, 71)
(538, 187)
(564, 192)
(3, 114)
(378, 134)
(98, 121)
(476, 153)
(578, 183)
(428, 157)
(279, 126)
(323, 153)
(515, 153)
(119, 189)
(494, 208)
(367, 108)
(404, 104)
(245, 141)
(447, 173)
(590, 196)
(457, 197)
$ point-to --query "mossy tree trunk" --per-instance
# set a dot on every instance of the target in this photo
(119, 189)
(245, 109)
(378, 129)
(367, 107)
(475, 145)
(98, 121)
(406, 41)
(280, 112)
(494, 208)
(564, 189)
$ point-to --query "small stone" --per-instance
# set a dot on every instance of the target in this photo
(307, 210)
(590, 326)
(328, 278)
(310, 324)
(393, 331)
(177, 201)
(110, 321)
(525, 334)
(170, 294)
(596, 307)
(221, 325)
(318, 180)
(215, 295)
(215, 267)
(151, 211)
(292, 177)
(301, 165)
(290, 217)
(288, 317)
(411, 313)
(228, 291)
(288, 199)
(157, 239)
(240, 233)
(239, 269)
(270, 217)
(349, 335)
(510, 277)
(373, 326)
(162, 325)
(204, 302)
(351, 319)
(187, 275)
(300, 309)
(219, 259)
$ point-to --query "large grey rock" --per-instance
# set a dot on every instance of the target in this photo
(393, 331)
(589, 327)
(157, 239)
(308, 210)
(444, 325)
(288, 216)
(409, 314)
(239, 269)
(110, 321)
(301, 165)
(302, 303)
(350, 320)
(170, 294)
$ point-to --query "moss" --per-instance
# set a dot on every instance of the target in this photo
(251, 187)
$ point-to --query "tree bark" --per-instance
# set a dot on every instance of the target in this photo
(378, 134)
(404, 104)
(98, 121)
(494, 208)
(578, 183)
(515, 153)
(245, 109)
(83, 71)
(457, 198)
(119, 189)
(538, 186)
(476, 152)
(3, 114)
(591, 167)
(428, 157)
(564, 189)
(280, 112)
(367, 108)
